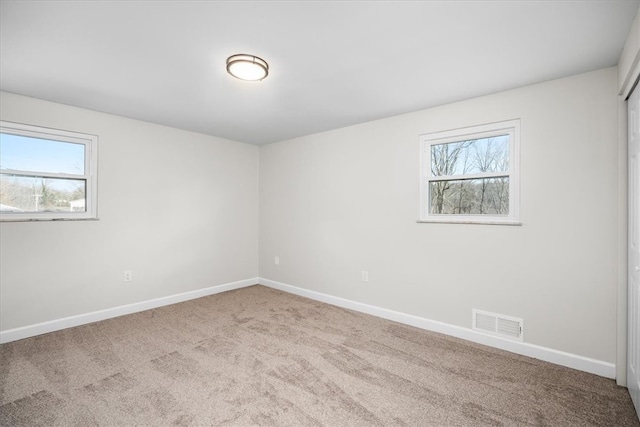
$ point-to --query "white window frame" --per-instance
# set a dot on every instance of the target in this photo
(509, 127)
(90, 175)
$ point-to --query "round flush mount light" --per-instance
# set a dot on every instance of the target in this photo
(247, 67)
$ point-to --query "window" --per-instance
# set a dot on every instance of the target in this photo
(46, 174)
(471, 174)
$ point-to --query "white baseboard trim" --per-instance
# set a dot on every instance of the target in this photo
(597, 367)
(95, 316)
(569, 360)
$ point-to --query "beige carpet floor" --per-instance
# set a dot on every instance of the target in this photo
(257, 356)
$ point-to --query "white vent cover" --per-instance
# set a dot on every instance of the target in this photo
(498, 324)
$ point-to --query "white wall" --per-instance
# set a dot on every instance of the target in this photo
(179, 209)
(339, 202)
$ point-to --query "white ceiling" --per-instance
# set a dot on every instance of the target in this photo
(333, 64)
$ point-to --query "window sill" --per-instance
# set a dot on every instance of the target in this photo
(468, 221)
(6, 220)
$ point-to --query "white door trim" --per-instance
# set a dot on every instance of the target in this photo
(633, 243)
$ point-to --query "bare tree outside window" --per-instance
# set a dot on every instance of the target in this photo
(455, 194)
(37, 194)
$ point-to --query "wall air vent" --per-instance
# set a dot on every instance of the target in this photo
(498, 324)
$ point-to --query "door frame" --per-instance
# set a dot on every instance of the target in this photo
(623, 250)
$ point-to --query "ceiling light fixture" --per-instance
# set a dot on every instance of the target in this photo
(247, 67)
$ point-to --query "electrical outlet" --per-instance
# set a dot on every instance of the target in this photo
(365, 276)
(276, 261)
(128, 276)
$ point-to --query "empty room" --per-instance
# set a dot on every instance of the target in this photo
(320, 213)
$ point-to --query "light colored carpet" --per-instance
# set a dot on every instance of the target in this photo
(257, 356)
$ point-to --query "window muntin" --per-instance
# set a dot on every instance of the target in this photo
(471, 174)
(46, 174)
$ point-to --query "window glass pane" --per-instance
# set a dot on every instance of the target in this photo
(41, 155)
(470, 157)
(37, 194)
(470, 196)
